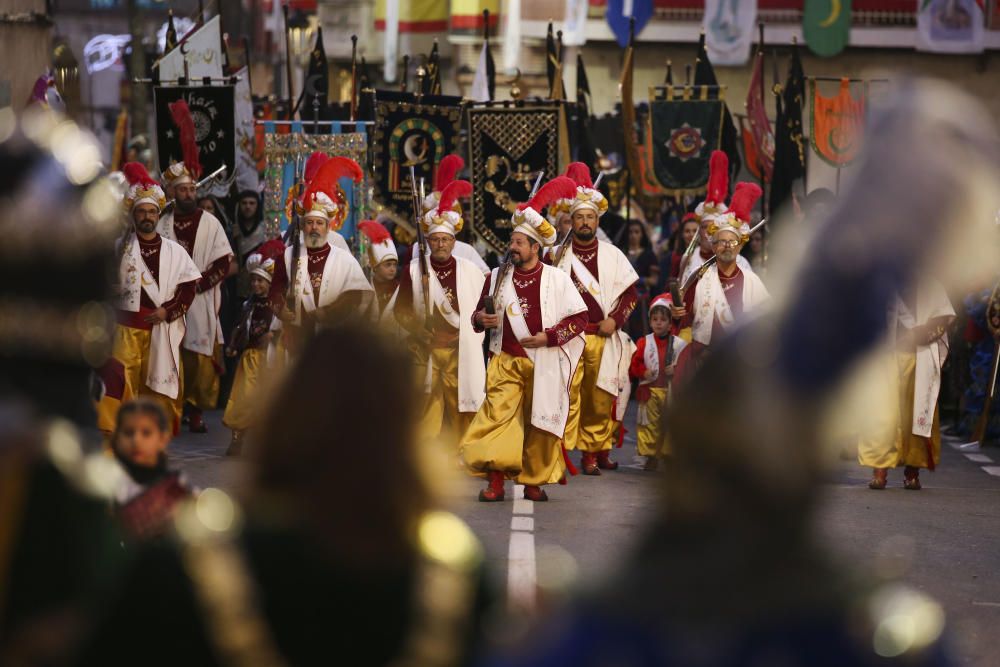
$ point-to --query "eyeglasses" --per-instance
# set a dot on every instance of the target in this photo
(727, 244)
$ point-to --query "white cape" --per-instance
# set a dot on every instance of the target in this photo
(710, 301)
(341, 273)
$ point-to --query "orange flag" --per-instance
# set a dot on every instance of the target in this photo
(837, 125)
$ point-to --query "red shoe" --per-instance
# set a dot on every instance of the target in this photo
(588, 462)
(197, 424)
(604, 461)
(535, 493)
(879, 479)
(494, 492)
(911, 478)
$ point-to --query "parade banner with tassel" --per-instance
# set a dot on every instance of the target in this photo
(760, 124)
(201, 49)
(685, 126)
(729, 30)
(411, 132)
(286, 150)
(789, 142)
(950, 26)
(837, 124)
(213, 114)
(508, 147)
(826, 26)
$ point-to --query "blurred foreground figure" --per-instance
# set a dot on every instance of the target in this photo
(328, 565)
(57, 545)
(731, 573)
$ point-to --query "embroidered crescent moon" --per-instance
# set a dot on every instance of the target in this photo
(834, 14)
(510, 309)
(142, 279)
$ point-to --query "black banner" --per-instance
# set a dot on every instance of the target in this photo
(213, 113)
(508, 147)
(411, 133)
(685, 126)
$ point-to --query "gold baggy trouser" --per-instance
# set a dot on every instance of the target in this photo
(131, 348)
(501, 436)
(201, 378)
(591, 424)
(895, 444)
(442, 419)
(651, 440)
(245, 400)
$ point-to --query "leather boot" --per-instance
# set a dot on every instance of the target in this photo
(911, 478)
(604, 461)
(588, 462)
(879, 479)
(494, 492)
(197, 424)
(652, 463)
(535, 493)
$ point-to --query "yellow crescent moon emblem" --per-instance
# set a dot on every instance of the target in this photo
(142, 279)
(510, 309)
(834, 14)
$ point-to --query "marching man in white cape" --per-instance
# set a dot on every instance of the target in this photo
(157, 282)
(606, 281)
(724, 293)
(918, 325)
(201, 234)
(327, 281)
(536, 321)
(449, 351)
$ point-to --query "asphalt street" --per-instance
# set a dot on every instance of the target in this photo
(944, 540)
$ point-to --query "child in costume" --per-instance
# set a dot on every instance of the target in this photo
(653, 366)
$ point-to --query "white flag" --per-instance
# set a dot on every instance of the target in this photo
(246, 167)
(512, 36)
(950, 26)
(729, 30)
(575, 23)
(202, 49)
(480, 85)
(390, 44)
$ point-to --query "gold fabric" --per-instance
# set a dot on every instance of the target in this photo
(201, 378)
(441, 418)
(590, 426)
(651, 440)
(131, 347)
(245, 398)
(501, 436)
(894, 444)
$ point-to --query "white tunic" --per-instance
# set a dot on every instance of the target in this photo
(341, 273)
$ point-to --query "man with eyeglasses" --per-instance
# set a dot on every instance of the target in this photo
(438, 317)
(725, 292)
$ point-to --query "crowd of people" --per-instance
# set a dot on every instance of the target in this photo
(109, 555)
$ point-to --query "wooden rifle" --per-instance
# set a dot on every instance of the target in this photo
(295, 239)
(200, 184)
(425, 269)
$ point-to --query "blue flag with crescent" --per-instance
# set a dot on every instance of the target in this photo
(620, 11)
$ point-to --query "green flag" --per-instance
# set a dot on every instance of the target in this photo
(826, 25)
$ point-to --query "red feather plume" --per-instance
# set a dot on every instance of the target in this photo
(315, 161)
(558, 188)
(375, 232)
(745, 196)
(451, 193)
(580, 173)
(136, 174)
(272, 249)
(718, 178)
(328, 174)
(181, 114)
(447, 170)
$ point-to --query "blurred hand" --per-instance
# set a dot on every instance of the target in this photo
(157, 316)
(487, 321)
(536, 341)
(678, 312)
(607, 327)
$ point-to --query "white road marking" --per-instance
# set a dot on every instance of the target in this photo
(522, 506)
(979, 458)
(993, 470)
(521, 570)
(525, 523)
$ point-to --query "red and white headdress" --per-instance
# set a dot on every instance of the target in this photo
(380, 245)
(528, 218)
(447, 216)
(661, 301)
(718, 188)
(142, 189)
(324, 198)
(587, 196)
(447, 170)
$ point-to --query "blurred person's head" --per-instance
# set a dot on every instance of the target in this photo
(704, 237)
(523, 249)
(343, 405)
(585, 222)
(207, 203)
(689, 227)
(441, 245)
(385, 271)
(727, 247)
(564, 224)
(636, 236)
(315, 230)
(659, 321)
(756, 245)
(818, 203)
(145, 217)
(248, 206)
(142, 433)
